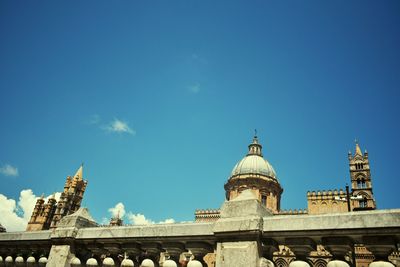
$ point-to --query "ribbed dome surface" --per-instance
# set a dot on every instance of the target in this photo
(254, 164)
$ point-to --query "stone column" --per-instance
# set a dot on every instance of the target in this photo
(174, 250)
(301, 247)
(152, 251)
(239, 230)
(338, 247)
(60, 255)
(63, 251)
(381, 247)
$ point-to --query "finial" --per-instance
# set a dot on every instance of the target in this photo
(42, 196)
(255, 133)
(356, 141)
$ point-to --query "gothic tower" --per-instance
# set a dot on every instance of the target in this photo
(42, 214)
(71, 197)
(255, 173)
(361, 185)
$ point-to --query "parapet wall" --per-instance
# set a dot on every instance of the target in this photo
(207, 215)
(293, 212)
(326, 201)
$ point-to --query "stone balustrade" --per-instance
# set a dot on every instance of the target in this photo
(246, 234)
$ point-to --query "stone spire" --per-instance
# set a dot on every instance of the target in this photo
(255, 147)
(79, 173)
(358, 149)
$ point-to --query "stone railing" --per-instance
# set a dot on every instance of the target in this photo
(246, 234)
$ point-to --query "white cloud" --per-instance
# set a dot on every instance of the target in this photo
(170, 220)
(15, 216)
(136, 219)
(117, 210)
(9, 170)
(140, 219)
(119, 126)
(195, 88)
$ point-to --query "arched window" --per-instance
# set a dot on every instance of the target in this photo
(363, 203)
(363, 185)
(264, 200)
(358, 183)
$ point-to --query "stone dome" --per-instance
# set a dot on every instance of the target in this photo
(255, 173)
(254, 163)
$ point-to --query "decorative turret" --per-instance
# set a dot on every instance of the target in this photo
(116, 221)
(42, 214)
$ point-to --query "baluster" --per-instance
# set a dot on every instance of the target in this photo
(19, 261)
(298, 263)
(381, 264)
(194, 263)
(9, 262)
(147, 263)
(75, 262)
(91, 262)
(42, 262)
(169, 263)
(108, 262)
(31, 261)
(127, 263)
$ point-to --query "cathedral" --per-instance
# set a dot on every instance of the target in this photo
(254, 172)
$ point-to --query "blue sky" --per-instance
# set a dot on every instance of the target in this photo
(190, 81)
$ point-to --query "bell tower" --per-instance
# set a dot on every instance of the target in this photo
(71, 197)
(361, 184)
